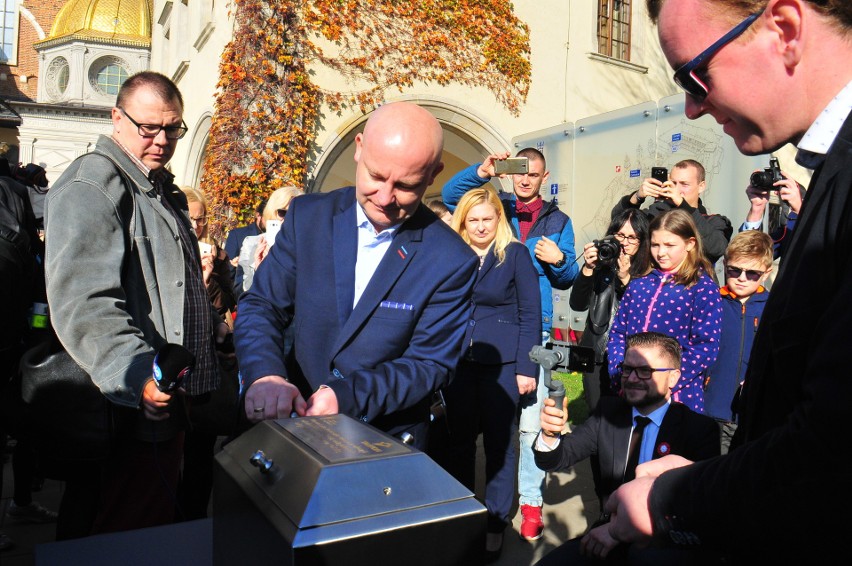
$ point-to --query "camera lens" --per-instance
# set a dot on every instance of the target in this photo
(761, 179)
(608, 249)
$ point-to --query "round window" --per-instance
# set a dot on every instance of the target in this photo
(110, 78)
(57, 77)
(107, 74)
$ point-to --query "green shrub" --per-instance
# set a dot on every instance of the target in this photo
(578, 410)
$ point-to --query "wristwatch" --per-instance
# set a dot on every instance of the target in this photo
(560, 263)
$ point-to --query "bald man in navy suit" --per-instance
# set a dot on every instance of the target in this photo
(376, 287)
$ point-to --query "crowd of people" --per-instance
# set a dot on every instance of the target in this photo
(710, 397)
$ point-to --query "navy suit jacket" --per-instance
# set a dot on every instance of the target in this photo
(233, 245)
(386, 357)
(607, 433)
(506, 320)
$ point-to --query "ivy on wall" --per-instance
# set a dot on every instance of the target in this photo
(270, 98)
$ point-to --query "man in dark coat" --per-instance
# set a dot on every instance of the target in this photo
(651, 368)
(780, 494)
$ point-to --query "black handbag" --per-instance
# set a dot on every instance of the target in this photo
(66, 417)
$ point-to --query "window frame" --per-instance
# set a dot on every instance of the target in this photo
(619, 48)
(12, 58)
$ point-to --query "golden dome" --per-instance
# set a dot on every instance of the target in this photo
(124, 22)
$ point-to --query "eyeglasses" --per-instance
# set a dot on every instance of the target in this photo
(625, 238)
(734, 272)
(153, 130)
(282, 212)
(687, 79)
(200, 221)
(642, 372)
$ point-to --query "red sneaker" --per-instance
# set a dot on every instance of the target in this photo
(532, 526)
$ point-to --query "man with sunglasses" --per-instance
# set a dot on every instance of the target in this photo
(123, 279)
(682, 190)
(776, 72)
(650, 369)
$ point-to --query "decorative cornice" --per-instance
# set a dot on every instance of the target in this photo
(93, 37)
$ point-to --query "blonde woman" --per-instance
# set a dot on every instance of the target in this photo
(495, 370)
(255, 248)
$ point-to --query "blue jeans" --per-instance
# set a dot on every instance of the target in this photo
(530, 476)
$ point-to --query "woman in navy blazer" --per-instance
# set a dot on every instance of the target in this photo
(495, 369)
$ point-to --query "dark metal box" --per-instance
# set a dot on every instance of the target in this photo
(332, 490)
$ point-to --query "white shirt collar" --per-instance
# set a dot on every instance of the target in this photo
(361, 221)
(816, 142)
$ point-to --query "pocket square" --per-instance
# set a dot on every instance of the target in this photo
(395, 305)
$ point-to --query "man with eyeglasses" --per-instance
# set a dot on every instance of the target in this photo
(644, 417)
(776, 72)
(124, 279)
(549, 235)
(683, 190)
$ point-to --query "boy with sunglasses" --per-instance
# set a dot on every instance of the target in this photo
(748, 263)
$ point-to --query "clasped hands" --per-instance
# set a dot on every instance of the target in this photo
(273, 397)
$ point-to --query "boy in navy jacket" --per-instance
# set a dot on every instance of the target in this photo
(748, 263)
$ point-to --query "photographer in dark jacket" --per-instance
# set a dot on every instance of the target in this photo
(682, 190)
(600, 285)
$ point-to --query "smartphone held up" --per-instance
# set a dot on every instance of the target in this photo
(272, 229)
(660, 173)
(512, 166)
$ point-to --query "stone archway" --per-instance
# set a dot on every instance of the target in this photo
(467, 139)
(197, 150)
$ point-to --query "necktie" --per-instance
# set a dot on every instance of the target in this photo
(633, 450)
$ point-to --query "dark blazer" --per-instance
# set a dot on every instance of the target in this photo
(506, 320)
(233, 245)
(787, 476)
(386, 357)
(607, 433)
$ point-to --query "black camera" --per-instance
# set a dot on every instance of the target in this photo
(767, 178)
(608, 250)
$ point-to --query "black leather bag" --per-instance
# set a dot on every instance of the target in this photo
(69, 421)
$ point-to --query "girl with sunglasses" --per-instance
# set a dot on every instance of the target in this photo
(600, 286)
(679, 298)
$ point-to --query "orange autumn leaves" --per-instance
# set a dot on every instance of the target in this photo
(270, 97)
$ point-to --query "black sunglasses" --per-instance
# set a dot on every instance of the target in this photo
(282, 212)
(734, 272)
(687, 79)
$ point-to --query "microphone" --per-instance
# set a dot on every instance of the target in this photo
(172, 364)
